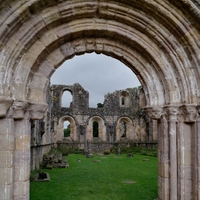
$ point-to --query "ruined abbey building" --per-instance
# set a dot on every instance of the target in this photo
(159, 40)
(119, 118)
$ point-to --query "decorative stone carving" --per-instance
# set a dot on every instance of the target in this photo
(171, 112)
(37, 110)
(154, 112)
(19, 109)
(189, 112)
(5, 104)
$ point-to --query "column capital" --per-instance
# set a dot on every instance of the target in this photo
(154, 112)
(37, 110)
(171, 112)
(34, 110)
(19, 109)
(5, 104)
(189, 112)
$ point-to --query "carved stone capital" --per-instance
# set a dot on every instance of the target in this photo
(19, 109)
(189, 112)
(37, 110)
(5, 104)
(171, 112)
(154, 112)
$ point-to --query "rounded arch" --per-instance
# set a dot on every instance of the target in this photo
(73, 128)
(125, 129)
(124, 98)
(101, 128)
(149, 43)
(158, 40)
(68, 97)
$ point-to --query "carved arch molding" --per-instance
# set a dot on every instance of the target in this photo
(158, 40)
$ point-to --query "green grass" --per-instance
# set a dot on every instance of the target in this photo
(87, 180)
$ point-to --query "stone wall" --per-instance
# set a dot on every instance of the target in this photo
(120, 118)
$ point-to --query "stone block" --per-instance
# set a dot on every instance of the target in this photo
(3, 175)
(6, 126)
(79, 46)
(36, 95)
(21, 188)
(3, 192)
(22, 142)
(50, 15)
(22, 173)
(56, 57)
(188, 186)
(6, 158)
(48, 38)
(67, 50)
(21, 157)
(6, 142)
(25, 197)
(6, 175)
(36, 49)
(6, 192)
(39, 81)
(163, 170)
(187, 158)
(46, 69)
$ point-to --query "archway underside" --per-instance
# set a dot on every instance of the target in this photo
(158, 40)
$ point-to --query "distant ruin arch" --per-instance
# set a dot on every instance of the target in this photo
(128, 133)
(73, 128)
(68, 92)
(157, 40)
(101, 128)
(124, 98)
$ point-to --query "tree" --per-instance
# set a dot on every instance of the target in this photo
(67, 131)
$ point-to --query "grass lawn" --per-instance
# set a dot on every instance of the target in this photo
(105, 180)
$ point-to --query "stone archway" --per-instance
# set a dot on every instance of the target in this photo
(60, 127)
(101, 129)
(158, 40)
(125, 126)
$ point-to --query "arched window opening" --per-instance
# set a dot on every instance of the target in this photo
(95, 129)
(123, 129)
(125, 99)
(67, 129)
(122, 101)
(66, 99)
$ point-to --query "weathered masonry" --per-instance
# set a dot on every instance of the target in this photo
(119, 119)
(158, 40)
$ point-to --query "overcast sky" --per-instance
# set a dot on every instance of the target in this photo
(98, 74)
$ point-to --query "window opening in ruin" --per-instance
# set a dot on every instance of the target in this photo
(122, 101)
(123, 129)
(95, 129)
(66, 99)
(66, 129)
(124, 98)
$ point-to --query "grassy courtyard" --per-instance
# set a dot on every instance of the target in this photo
(113, 178)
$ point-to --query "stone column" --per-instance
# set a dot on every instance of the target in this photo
(178, 151)
(22, 131)
(6, 151)
(155, 130)
(6, 158)
(196, 159)
(22, 112)
(171, 113)
(157, 114)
